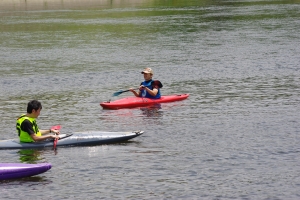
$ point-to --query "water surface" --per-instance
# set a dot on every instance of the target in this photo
(235, 137)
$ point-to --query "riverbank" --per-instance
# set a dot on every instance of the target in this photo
(28, 5)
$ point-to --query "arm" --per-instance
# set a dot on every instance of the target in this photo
(27, 127)
(155, 85)
(43, 132)
(137, 94)
(152, 92)
(43, 137)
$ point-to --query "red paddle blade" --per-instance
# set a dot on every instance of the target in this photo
(54, 144)
(57, 127)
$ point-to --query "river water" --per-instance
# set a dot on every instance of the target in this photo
(235, 137)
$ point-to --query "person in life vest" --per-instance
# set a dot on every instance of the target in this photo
(27, 128)
(148, 88)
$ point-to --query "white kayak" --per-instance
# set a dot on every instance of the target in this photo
(75, 139)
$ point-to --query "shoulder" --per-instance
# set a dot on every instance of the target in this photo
(26, 124)
(26, 121)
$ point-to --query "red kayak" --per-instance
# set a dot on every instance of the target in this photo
(131, 102)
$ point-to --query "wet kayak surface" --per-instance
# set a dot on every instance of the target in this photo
(89, 138)
(20, 170)
(133, 102)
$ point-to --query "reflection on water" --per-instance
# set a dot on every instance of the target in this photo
(130, 113)
(30, 155)
(131, 118)
(152, 111)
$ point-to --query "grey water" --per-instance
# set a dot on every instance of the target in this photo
(235, 137)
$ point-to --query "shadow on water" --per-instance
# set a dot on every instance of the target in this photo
(19, 181)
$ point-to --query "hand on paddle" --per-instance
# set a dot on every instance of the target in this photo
(55, 129)
(155, 84)
(56, 132)
(142, 87)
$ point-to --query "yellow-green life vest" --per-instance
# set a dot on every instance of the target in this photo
(24, 136)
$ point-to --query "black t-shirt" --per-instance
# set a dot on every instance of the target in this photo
(27, 127)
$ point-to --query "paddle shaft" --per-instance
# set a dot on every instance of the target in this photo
(129, 90)
(156, 82)
(122, 91)
(57, 127)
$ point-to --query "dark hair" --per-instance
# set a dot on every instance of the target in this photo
(34, 104)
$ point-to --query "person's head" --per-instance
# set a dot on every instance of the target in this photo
(34, 108)
(148, 73)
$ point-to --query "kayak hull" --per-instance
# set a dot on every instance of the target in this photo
(75, 139)
(21, 170)
(132, 102)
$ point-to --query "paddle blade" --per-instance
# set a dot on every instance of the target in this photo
(57, 127)
(54, 144)
(117, 93)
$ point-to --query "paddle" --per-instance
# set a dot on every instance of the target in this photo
(155, 83)
(57, 127)
(121, 91)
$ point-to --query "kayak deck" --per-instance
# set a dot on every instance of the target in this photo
(75, 139)
(131, 102)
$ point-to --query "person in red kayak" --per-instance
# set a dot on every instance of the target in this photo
(148, 88)
(27, 128)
